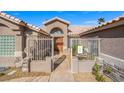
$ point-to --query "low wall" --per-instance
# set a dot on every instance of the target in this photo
(7, 61)
(81, 66)
(112, 60)
(41, 66)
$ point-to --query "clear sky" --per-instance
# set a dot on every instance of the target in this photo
(75, 17)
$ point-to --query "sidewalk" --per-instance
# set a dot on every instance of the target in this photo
(62, 73)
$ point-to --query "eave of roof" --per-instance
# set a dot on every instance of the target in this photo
(21, 23)
(30, 26)
(12, 19)
(73, 35)
(54, 19)
(113, 23)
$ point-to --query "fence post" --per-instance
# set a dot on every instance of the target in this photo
(98, 47)
(71, 55)
(52, 47)
(27, 46)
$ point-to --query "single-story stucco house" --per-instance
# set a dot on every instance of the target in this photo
(13, 38)
(15, 35)
(112, 38)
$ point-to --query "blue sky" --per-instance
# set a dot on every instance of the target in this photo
(75, 17)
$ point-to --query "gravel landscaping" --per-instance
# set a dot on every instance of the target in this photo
(87, 77)
(20, 74)
(84, 77)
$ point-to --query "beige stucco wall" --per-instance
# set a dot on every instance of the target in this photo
(18, 33)
(7, 28)
(112, 41)
(81, 65)
(41, 66)
(21, 36)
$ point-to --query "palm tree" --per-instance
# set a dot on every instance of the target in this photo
(101, 20)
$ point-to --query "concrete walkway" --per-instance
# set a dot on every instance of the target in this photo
(62, 73)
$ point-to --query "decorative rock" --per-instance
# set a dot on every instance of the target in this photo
(11, 73)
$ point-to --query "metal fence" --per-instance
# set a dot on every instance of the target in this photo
(87, 48)
(39, 48)
(116, 73)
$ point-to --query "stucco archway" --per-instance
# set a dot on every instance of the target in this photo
(57, 34)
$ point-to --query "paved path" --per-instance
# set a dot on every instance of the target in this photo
(62, 73)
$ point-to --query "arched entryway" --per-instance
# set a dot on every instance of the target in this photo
(57, 35)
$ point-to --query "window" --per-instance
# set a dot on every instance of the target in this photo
(56, 31)
(7, 45)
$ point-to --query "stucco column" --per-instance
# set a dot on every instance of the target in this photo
(65, 41)
(19, 45)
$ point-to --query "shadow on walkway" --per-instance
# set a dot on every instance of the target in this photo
(59, 61)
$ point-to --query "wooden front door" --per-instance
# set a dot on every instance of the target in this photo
(58, 45)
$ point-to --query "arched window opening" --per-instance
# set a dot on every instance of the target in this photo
(56, 31)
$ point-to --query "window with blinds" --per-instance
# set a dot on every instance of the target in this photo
(7, 45)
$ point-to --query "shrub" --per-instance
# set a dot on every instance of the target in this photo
(108, 69)
(74, 50)
(96, 72)
(95, 69)
(100, 77)
(1, 74)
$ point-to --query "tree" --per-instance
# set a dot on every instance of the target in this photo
(101, 20)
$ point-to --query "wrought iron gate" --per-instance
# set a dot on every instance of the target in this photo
(89, 48)
(39, 48)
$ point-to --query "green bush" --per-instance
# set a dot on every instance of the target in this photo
(96, 69)
(96, 72)
(100, 77)
(108, 69)
(1, 74)
(74, 49)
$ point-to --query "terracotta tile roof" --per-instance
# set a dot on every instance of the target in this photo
(11, 18)
(22, 23)
(76, 29)
(35, 28)
(94, 29)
